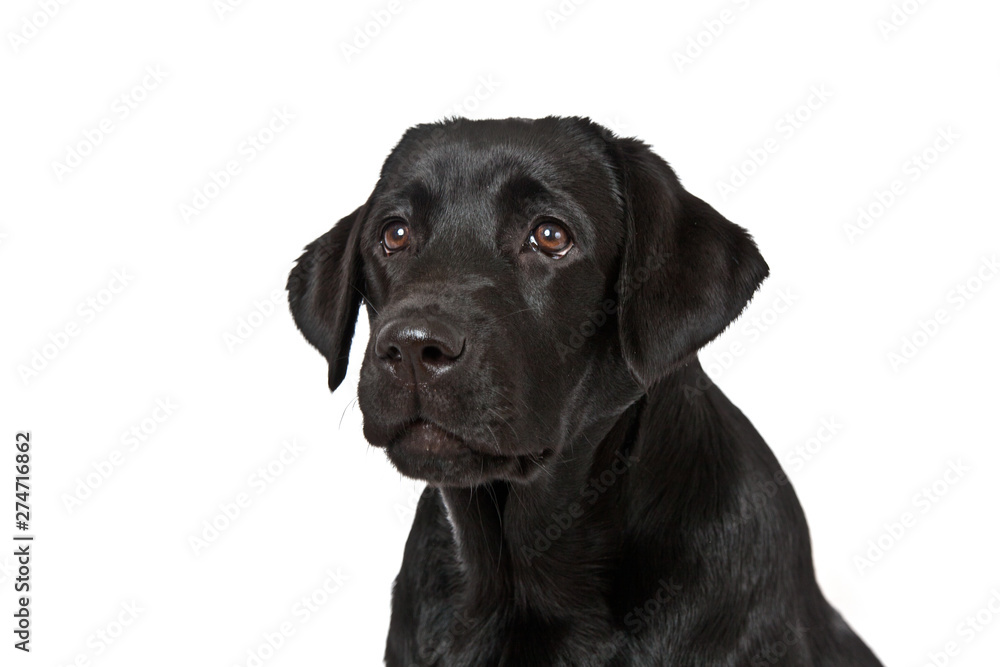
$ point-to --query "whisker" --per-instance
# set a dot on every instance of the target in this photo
(495, 441)
(523, 310)
(347, 407)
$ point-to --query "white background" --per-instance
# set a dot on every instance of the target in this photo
(339, 507)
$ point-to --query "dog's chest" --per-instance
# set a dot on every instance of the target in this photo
(502, 639)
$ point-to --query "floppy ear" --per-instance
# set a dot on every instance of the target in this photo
(686, 271)
(325, 290)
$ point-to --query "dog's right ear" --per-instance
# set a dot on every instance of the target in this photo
(325, 290)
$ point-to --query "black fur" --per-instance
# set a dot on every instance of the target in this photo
(593, 498)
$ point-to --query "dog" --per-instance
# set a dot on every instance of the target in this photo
(537, 293)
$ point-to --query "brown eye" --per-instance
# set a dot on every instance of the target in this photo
(551, 238)
(395, 236)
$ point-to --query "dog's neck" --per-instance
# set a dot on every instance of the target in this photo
(550, 545)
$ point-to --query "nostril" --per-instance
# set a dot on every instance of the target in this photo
(441, 352)
(432, 354)
(393, 353)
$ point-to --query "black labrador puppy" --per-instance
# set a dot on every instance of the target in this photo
(537, 292)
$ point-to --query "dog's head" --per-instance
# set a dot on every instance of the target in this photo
(526, 281)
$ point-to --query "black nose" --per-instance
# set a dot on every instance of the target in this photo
(419, 348)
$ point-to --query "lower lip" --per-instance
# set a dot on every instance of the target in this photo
(426, 451)
(427, 439)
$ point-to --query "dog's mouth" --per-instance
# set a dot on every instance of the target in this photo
(424, 450)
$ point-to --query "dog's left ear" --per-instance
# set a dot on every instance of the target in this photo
(325, 290)
(686, 271)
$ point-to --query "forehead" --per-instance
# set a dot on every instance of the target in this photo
(462, 171)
